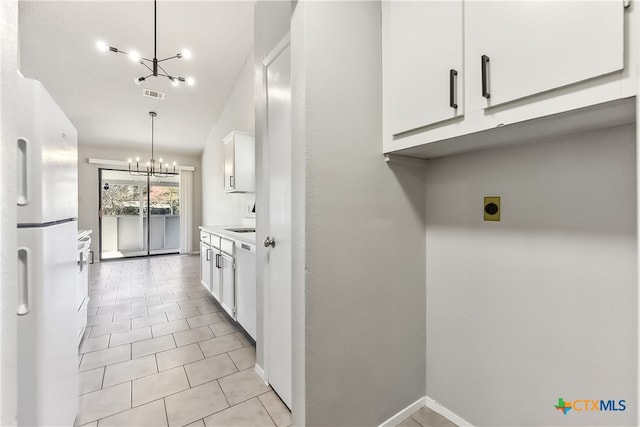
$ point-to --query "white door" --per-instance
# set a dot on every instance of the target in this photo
(278, 268)
(536, 46)
(422, 62)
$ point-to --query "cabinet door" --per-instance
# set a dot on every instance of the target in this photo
(422, 43)
(228, 279)
(537, 46)
(229, 164)
(215, 275)
(205, 265)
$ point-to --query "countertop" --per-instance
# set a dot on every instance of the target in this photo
(221, 230)
(84, 233)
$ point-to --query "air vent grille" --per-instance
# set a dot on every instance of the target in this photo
(153, 94)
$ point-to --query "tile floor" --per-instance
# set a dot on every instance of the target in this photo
(159, 351)
(425, 417)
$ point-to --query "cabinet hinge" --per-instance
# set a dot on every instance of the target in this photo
(626, 3)
(233, 265)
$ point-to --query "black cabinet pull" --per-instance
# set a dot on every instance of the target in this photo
(452, 89)
(485, 77)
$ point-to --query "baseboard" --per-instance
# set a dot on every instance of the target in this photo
(260, 373)
(456, 419)
(403, 414)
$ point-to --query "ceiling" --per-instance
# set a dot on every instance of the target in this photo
(97, 91)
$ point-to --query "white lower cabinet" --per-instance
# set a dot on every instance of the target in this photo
(85, 257)
(228, 272)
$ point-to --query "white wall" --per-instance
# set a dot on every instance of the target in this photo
(542, 304)
(8, 213)
(364, 246)
(218, 207)
(88, 195)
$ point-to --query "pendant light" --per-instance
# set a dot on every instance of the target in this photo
(160, 170)
(153, 65)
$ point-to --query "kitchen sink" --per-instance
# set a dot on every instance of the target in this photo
(241, 230)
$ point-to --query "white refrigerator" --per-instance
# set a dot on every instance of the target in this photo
(47, 251)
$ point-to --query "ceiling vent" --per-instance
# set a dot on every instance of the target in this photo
(153, 94)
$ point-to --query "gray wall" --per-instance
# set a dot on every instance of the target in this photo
(8, 214)
(88, 185)
(218, 207)
(272, 21)
(364, 225)
(544, 303)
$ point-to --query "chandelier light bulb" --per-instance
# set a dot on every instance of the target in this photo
(174, 164)
(185, 53)
(190, 81)
(102, 46)
(174, 81)
(160, 162)
(137, 159)
(135, 56)
(129, 161)
(139, 80)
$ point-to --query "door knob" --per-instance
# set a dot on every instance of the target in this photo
(269, 242)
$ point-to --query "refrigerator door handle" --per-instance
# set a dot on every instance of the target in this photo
(24, 282)
(23, 172)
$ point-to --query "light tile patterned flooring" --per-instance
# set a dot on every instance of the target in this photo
(425, 417)
(159, 351)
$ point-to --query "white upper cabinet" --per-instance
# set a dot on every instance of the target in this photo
(532, 47)
(516, 64)
(422, 63)
(239, 163)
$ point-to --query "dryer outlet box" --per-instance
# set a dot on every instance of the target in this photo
(492, 208)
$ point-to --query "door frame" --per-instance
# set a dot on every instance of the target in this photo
(148, 216)
(266, 318)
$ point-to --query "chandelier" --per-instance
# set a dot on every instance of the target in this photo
(152, 65)
(151, 169)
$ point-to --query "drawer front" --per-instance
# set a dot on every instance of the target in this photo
(215, 241)
(204, 237)
(227, 246)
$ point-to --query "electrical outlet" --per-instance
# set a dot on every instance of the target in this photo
(492, 208)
